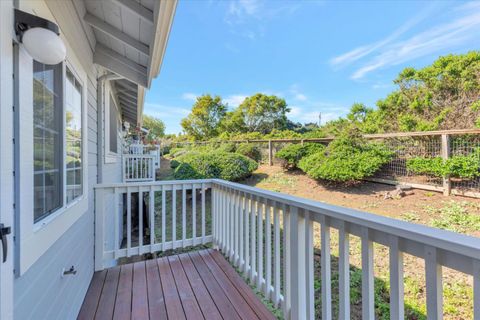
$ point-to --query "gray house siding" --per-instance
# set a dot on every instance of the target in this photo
(41, 293)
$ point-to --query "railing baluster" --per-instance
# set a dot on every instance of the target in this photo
(116, 222)
(204, 195)
(246, 265)
(309, 267)
(368, 298)
(396, 281)
(236, 235)
(224, 221)
(164, 217)
(229, 225)
(129, 221)
(476, 289)
(151, 209)
(277, 248)
(287, 300)
(326, 269)
(174, 215)
(433, 276)
(344, 273)
(241, 261)
(194, 215)
(260, 212)
(253, 251)
(268, 251)
(140, 222)
(184, 215)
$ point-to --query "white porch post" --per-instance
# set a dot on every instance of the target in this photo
(6, 157)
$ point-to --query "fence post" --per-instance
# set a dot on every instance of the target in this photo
(270, 153)
(447, 186)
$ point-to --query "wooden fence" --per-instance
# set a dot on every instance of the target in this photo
(405, 145)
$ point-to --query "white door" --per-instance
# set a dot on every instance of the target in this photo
(6, 159)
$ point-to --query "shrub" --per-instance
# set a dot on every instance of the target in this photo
(466, 167)
(293, 153)
(347, 158)
(249, 150)
(226, 147)
(218, 164)
(176, 152)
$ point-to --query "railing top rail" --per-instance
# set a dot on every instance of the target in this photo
(133, 155)
(150, 183)
(438, 238)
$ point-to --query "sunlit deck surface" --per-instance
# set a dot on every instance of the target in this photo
(196, 285)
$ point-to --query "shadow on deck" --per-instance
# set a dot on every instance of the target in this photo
(196, 285)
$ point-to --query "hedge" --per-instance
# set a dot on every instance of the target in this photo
(347, 158)
(293, 153)
(249, 150)
(218, 164)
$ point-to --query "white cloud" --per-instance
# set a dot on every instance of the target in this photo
(395, 49)
(311, 114)
(301, 97)
(165, 112)
(189, 96)
(296, 93)
(235, 100)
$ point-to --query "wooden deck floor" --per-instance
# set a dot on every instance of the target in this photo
(197, 285)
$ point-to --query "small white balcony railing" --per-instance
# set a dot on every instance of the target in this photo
(268, 236)
(138, 167)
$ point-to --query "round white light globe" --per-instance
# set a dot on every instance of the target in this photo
(44, 45)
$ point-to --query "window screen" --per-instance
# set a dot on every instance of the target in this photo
(113, 127)
(47, 138)
(73, 134)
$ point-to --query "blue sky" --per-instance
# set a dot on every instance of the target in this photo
(320, 56)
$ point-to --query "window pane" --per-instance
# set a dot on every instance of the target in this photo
(47, 140)
(113, 126)
(73, 126)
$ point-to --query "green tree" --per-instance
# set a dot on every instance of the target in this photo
(204, 120)
(262, 113)
(155, 127)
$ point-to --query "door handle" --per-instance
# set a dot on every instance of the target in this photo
(4, 231)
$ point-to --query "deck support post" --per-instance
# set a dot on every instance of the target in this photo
(99, 221)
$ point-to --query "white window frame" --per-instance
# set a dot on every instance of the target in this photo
(111, 157)
(35, 238)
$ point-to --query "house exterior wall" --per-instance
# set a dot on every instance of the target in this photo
(41, 292)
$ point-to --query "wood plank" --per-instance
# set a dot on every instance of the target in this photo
(172, 299)
(139, 292)
(90, 304)
(107, 298)
(189, 302)
(242, 307)
(223, 304)
(156, 301)
(123, 300)
(246, 292)
(204, 299)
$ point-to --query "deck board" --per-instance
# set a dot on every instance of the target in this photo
(196, 285)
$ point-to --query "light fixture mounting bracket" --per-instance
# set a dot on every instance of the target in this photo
(25, 21)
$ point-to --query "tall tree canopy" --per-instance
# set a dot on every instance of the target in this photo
(262, 113)
(203, 122)
(155, 126)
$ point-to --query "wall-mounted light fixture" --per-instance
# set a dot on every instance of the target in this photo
(40, 37)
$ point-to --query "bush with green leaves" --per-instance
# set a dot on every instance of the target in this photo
(348, 158)
(218, 164)
(459, 166)
(293, 153)
(250, 150)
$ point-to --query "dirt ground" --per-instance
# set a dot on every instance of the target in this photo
(364, 196)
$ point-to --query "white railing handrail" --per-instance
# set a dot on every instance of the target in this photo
(138, 167)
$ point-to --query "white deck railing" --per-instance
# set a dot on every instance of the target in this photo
(269, 237)
(138, 167)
